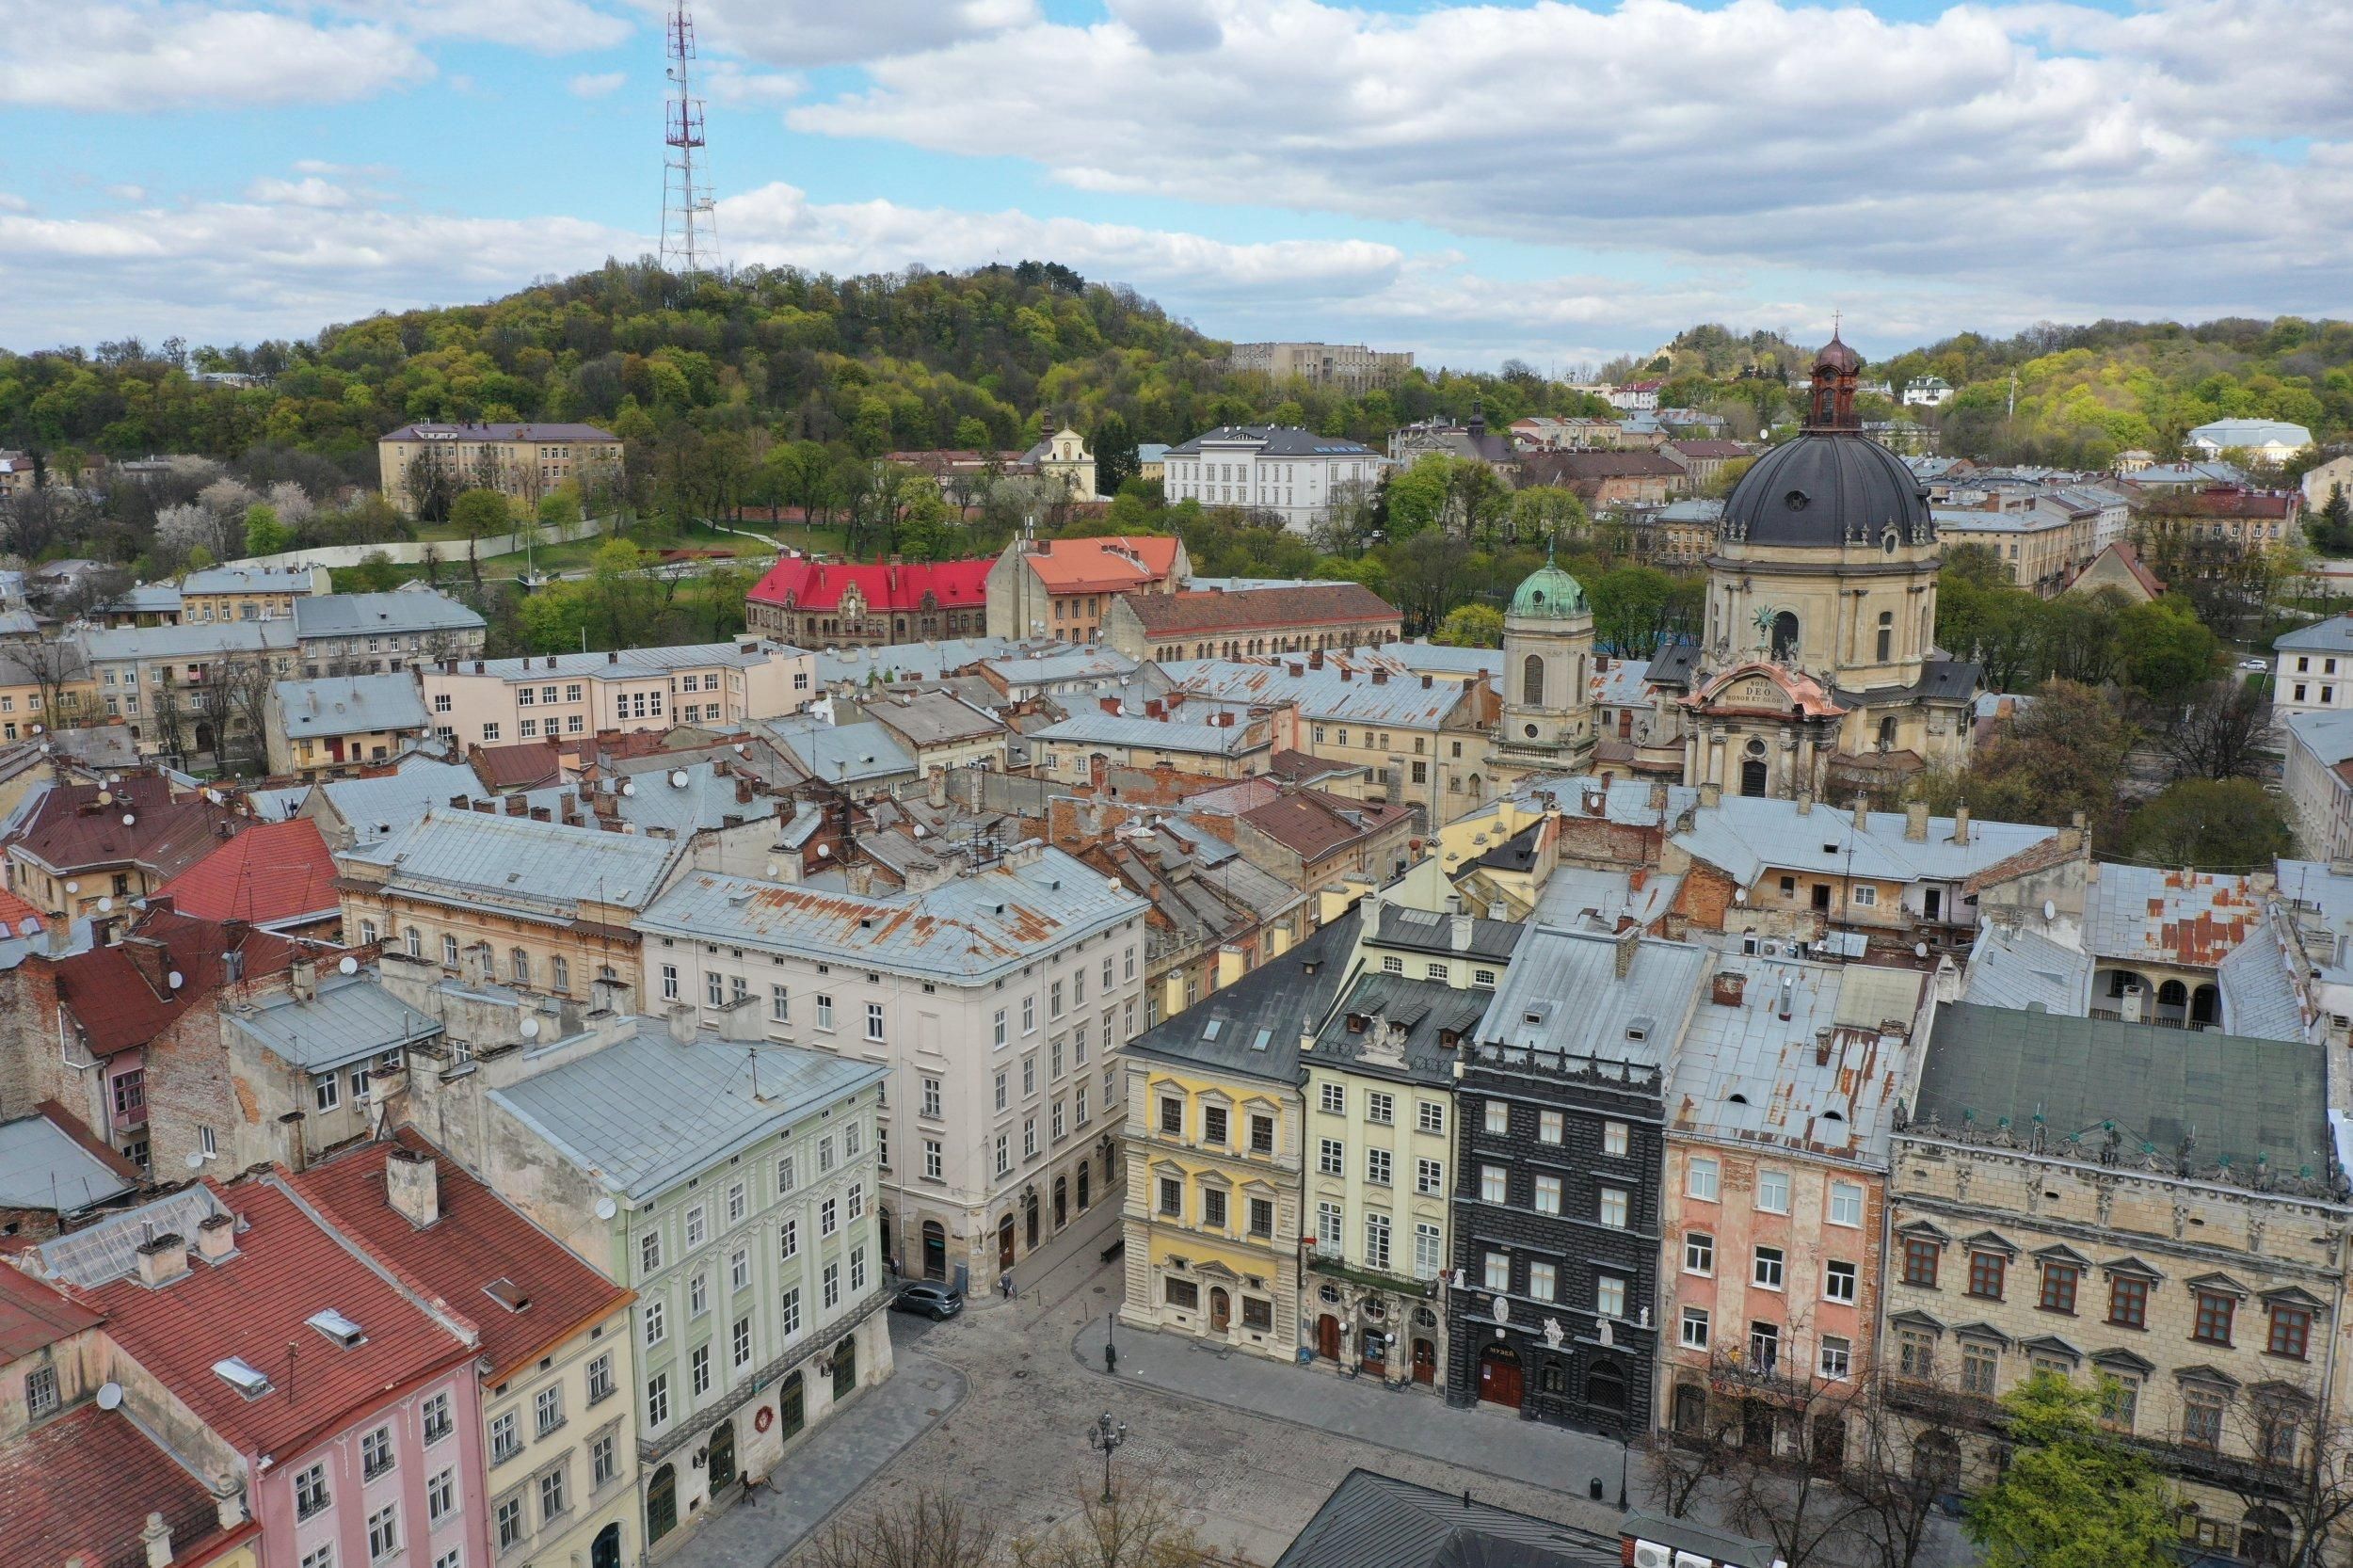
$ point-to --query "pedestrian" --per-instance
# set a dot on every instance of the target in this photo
(1110, 1359)
(1004, 1285)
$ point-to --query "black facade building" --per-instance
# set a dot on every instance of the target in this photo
(1560, 1117)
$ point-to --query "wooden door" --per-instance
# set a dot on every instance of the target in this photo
(1328, 1337)
(1005, 1243)
(1425, 1362)
(1500, 1379)
(1220, 1309)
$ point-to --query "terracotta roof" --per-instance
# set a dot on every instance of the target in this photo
(256, 1305)
(799, 582)
(271, 871)
(82, 1485)
(1293, 765)
(1248, 609)
(1313, 825)
(524, 765)
(122, 996)
(1109, 564)
(69, 830)
(477, 1242)
(14, 911)
(33, 1314)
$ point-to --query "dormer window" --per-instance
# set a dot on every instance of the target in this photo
(243, 1376)
(337, 1327)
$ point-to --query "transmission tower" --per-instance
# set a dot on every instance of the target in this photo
(690, 227)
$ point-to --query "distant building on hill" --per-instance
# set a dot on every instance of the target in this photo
(1352, 366)
(524, 461)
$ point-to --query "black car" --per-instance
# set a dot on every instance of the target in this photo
(935, 1301)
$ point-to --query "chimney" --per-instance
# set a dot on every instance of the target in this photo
(158, 1536)
(518, 806)
(742, 791)
(1788, 997)
(1729, 987)
(1961, 824)
(681, 1021)
(1630, 941)
(1346, 673)
(1314, 659)
(1821, 1048)
(1711, 794)
(1659, 796)
(1379, 676)
(1109, 705)
(613, 656)
(1862, 813)
(1427, 682)
(862, 875)
(1458, 933)
(60, 932)
(303, 979)
(412, 1185)
(1916, 823)
(1805, 803)
(216, 1237)
(938, 787)
(162, 1259)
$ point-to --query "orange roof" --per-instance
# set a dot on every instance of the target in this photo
(271, 871)
(1111, 564)
(14, 912)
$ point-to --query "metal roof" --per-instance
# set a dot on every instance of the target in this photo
(1562, 995)
(2241, 1099)
(2333, 635)
(476, 858)
(192, 640)
(1341, 692)
(42, 1166)
(1402, 1022)
(1430, 931)
(2149, 915)
(402, 609)
(842, 753)
(2260, 996)
(998, 915)
(918, 660)
(1746, 834)
(645, 1112)
(2024, 968)
(1253, 1027)
(627, 663)
(2250, 432)
(1274, 440)
(247, 580)
(348, 705)
(352, 1018)
(376, 807)
(1375, 1521)
(1093, 726)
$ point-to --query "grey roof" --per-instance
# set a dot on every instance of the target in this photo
(1824, 488)
(1673, 664)
(1393, 1026)
(514, 863)
(2329, 736)
(1747, 1074)
(998, 917)
(2333, 635)
(1093, 726)
(1061, 663)
(2036, 521)
(1343, 691)
(843, 753)
(352, 1018)
(918, 660)
(402, 611)
(244, 580)
(2260, 996)
(1253, 1027)
(149, 597)
(2149, 915)
(551, 430)
(1439, 659)
(1940, 681)
(1562, 995)
(2250, 432)
(377, 807)
(1625, 684)
(349, 705)
(627, 663)
(2244, 1097)
(647, 1110)
(1427, 931)
(22, 664)
(1573, 892)
(928, 718)
(1745, 834)
(685, 798)
(1375, 1521)
(193, 640)
(42, 1166)
(1276, 441)
(2320, 899)
(2024, 968)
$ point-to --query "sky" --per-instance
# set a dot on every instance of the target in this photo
(1554, 182)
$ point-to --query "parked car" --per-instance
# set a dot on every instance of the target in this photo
(933, 1301)
(2255, 667)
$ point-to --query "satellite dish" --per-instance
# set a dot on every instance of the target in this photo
(677, 778)
(37, 730)
(1116, 885)
(111, 1396)
(530, 1029)
(825, 851)
(106, 906)
(606, 1208)
(1919, 950)
(28, 927)
(629, 786)
(1740, 895)
(2050, 910)
(349, 966)
(128, 819)
(105, 797)
(213, 795)
(177, 979)
(194, 1161)
(73, 886)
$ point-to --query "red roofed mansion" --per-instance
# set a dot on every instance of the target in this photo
(833, 604)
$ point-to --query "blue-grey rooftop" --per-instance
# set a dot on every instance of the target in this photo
(351, 1019)
(1562, 995)
(852, 753)
(2333, 635)
(399, 613)
(42, 1166)
(1743, 835)
(476, 858)
(348, 705)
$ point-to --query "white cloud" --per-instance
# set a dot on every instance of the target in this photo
(597, 83)
(309, 191)
(137, 54)
(798, 34)
(548, 27)
(127, 193)
(2030, 151)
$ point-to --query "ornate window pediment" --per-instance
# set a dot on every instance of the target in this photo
(1987, 1240)
(1916, 1318)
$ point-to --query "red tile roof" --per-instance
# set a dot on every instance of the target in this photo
(270, 872)
(15, 911)
(799, 582)
(83, 1485)
(477, 1240)
(71, 830)
(122, 996)
(33, 1314)
(524, 765)
(1111, 564)
(1312, 824)
(1250, 608)
(256, 1305)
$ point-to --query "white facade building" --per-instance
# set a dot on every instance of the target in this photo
(996, 997)
(1270, 468)
(1927, 391)
(2313, 673)
(2274, 440)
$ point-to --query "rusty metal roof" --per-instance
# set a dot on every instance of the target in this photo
(2185, 919)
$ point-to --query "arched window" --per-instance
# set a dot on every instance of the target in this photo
(1887, 729)
(1532, 681)
(1887, 636)
(520, 963)
(1784, 637)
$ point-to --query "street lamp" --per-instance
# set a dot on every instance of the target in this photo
(1108, 1437)
(1625, 1452)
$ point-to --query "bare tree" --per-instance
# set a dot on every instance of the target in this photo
(1139, 1526)
(2296, 1478)
(2214, 734)
(932, 1532)
(1677, 1469)
(240, 689)
(90, 590)
(1794, 1440)
(1895, 1487)
(52, 667)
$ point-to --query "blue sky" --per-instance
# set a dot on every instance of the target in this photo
(1552, 181)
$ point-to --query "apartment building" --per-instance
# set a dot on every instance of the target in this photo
(2313, 668)
(319, 729)
(248, 593)
(492, 702)
(190, 688)
(994, 996)
(1063, 588)
(1353, 366)
(522, 461)
(1293, 474)
(374, 634)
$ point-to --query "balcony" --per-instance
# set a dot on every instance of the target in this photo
(1332, 1266)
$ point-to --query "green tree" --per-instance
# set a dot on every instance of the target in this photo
(2213, 823)
(1547, 512)
(2168, 651)
(2072, 1496)
(559, 506)
(481, 514)
(1417, 497)
(2058, 755)
(1116, 458)
(1471, 626)
(928, 529)
(264, 534)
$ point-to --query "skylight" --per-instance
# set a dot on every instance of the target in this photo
(1261, 1043)
(342, 1330)
(1210, 1030)
(243, 1376)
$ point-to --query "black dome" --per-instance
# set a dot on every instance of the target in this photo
(1827, 489)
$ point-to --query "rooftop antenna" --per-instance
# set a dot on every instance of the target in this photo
(690, 235)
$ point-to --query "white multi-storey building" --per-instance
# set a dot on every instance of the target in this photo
(2313, 672)
(996, 996)
(1293, 472)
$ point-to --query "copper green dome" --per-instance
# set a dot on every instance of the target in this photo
(1550, 591)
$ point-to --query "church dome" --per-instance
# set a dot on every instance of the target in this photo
(1550, 592)
(1836, 356)
(1826, 488)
